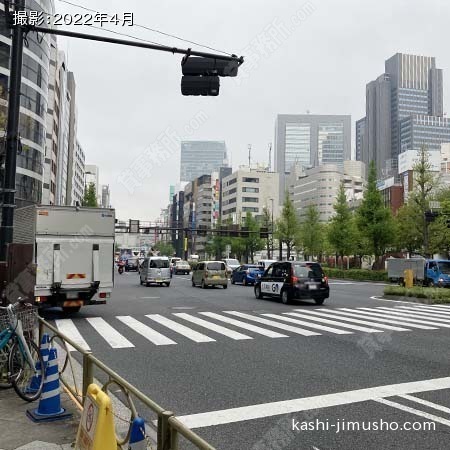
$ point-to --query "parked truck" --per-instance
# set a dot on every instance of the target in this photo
(73, 253)
(428, 272)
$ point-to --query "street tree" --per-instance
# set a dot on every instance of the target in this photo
(164, 248)
(311, 233)
(341, 229)
(287, 226)
(90, 196)
(253, 242)
(409, 235)
(374, 220)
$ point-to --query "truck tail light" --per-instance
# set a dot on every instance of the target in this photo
(294, 280)
(40, 299)
(104, 295)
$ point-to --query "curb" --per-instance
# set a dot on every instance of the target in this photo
(424, 301)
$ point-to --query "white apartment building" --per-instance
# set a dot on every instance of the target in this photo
(319, 186)
(250, 190)
(91, 176)
(78, 175)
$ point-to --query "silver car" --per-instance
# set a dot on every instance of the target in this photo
(155, 269)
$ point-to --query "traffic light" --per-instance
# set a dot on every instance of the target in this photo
(430, 216)
(201, 75)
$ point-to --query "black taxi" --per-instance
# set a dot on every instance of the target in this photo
(291, 280)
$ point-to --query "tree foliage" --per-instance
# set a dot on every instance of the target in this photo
(90, 196)
(374, 220)
(164, 248)
(287, 226)
(311, 233)
(253, 242)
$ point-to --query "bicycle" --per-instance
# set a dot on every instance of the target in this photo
(23, 353)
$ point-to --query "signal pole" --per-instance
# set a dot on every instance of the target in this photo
(12, 132)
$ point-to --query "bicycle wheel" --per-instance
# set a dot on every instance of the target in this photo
(5, 382)
(22, 374)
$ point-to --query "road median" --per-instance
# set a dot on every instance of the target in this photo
(418, 294)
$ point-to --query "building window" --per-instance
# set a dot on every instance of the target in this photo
(250, 180)
(251, 190)
(229, 183)
(250, 209)
(250, 199)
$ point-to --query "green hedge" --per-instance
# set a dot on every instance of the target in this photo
(440, 295)
(356, 274)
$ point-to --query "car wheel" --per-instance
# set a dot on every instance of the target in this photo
(193, 284)
(258, 293)
(319, 301)
(203, 284)
(140, 281)
(225, 286)
(147, 284)
(431, 283)
(285, 297)
(167, 284)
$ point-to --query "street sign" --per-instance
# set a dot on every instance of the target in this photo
(435, 205)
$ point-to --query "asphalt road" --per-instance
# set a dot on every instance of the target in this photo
(337, 369)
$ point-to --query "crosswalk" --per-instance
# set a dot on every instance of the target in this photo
(208, 327)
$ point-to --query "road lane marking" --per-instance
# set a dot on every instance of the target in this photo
(251, 412)
(447, 307)
(414, 411)
(274, 324)
(426, 403)
(376, 297)
(442, 313)
(181, 329)
(212, 326)
(149, 333)
(67, 327)
(308, 324)
(426, 312)
(246, 326)
(337, 315)
(405, 318)
(418, 314)
(108, 333)
(378, 318)
(334, 322)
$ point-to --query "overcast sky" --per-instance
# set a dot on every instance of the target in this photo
(314, 55)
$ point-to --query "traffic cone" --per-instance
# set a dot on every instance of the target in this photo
(36, 380)
(137, 435)
(49, 408)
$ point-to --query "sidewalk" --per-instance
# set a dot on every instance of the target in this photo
(17, 431)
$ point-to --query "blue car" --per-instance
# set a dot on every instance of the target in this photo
(247, 274)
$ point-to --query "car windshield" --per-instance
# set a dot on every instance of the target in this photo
(444, 267)
(308, 270)
(215, 266)
(232, 262)
(159, 264)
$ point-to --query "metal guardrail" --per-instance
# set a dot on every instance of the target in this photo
(169, 428)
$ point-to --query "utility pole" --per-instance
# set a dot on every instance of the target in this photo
(12, 132)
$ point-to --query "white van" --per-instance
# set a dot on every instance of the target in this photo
(265, 263)
(155, 269)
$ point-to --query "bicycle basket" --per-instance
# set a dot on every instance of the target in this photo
(4, 320)
(28, 315)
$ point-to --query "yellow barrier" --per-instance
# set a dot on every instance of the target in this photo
(408, 278)
(96, 430)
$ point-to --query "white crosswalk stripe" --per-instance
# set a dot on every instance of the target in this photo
(67, 327)
(405, 318)
(308, 324)
(274, 324)
(246, 326)
(214, 327)
(331, 313)
(377, 318)
(334, 322)
(149, 333)
(108, 333)
(177, 327)
(418, 314)
(305, 322)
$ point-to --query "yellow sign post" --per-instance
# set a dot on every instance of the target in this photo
(409, 278)
(96, 430)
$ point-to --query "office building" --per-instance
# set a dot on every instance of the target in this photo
(201, 158)
(106, 196)
(77, 176)
(319, 186)
(249, 190)
(310, 140)
(397, 103)
(359, 137)
(33, 105)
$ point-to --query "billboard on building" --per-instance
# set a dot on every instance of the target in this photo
(408, 159)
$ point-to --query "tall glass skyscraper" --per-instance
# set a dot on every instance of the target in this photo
(201, 158)
(310, 140)
(404, 110)
(33, 103)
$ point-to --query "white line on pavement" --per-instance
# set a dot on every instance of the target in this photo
(246, 326)
(262, 410)
(426, 403)
(108, 333)
(149, 333)
(272, 323)
(214, 327)
(415, 313)
(338, 315)
(417, 412)
(67, 327)
(308, 324)
(376, 297)
(404, 317)
(185, 331)
(442, 313)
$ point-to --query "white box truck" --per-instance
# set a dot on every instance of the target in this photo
(73, 253)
